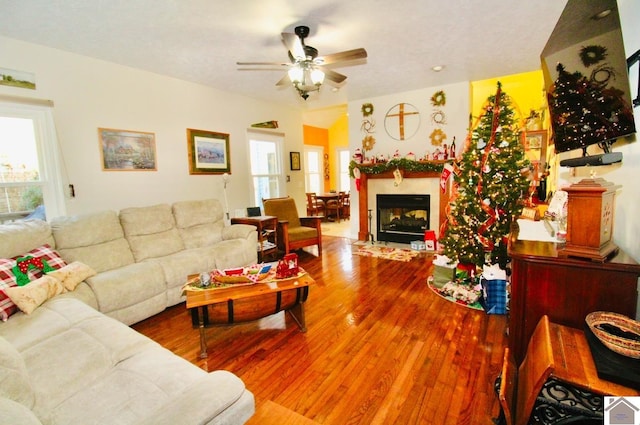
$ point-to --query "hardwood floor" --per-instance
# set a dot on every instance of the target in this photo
(381, 348)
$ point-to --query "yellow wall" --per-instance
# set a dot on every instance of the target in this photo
(317, 136)
(526, 91)
(338, 139)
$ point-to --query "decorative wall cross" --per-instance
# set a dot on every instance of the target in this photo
(403, 113)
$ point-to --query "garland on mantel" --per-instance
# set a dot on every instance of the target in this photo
(402, 163)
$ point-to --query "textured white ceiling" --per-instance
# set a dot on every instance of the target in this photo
(201, 40)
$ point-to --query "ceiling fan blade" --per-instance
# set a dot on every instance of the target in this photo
(294, 45)
(347, 55)
(284, 80)
(333, 76)
(261, 63)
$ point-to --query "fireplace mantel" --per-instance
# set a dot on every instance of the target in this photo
(363, 195)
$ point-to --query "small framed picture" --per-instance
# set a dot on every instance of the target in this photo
(534, 139)
(295, 160)
(208, 152)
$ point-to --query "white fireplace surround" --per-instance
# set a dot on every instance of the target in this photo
(384, 183)
(419, 186)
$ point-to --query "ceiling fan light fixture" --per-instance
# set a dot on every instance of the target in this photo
(317, 76)
(296, 74)
(305, 67)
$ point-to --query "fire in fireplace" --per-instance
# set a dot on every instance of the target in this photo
(402, 218)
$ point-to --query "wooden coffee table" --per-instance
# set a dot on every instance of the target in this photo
(235, 304)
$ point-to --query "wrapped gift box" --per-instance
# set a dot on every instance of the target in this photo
(443, 272)
(418, 245)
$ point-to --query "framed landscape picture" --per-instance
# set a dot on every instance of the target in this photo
(208, 152)
(125, 150)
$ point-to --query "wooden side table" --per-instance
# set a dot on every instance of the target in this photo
(573, 363)
(267, 234)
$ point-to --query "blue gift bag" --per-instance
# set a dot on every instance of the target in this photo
(494, 296)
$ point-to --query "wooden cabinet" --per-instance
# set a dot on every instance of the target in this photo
(565, 289)
(267, 234)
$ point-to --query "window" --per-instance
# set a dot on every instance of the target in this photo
(313, 169)
(30, 174)
(343, 170)
(266, 160)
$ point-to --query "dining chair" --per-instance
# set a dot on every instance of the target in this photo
(314, 205)
(346, 205)
(333, 207)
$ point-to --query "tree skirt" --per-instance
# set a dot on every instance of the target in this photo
(459, 294)
(387, 253)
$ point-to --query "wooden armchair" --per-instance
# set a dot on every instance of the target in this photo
(520, 388)
(294, 232)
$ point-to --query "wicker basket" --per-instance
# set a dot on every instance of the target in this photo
(627, 343)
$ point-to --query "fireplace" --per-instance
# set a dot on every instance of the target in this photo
(402, 218)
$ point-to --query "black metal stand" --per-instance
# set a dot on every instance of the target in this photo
(369, 234)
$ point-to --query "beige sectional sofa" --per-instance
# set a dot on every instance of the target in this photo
(73, 360)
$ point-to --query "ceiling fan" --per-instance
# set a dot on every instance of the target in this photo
(307, 71)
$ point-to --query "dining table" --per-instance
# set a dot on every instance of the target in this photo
(324, 197)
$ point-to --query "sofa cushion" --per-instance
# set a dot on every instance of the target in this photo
(230, 254)
(16, 413)
(177, 267)
(86, 230)
(10, 276)
(200, 223)
(102, 257)
(32, 295)
(151, 231)
(194, 213)
(20, 236)
(14, 379)
(72, 274)
(95, 239)
(127, 286)
(105, 372)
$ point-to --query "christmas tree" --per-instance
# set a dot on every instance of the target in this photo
(587, 111)
(492, 184)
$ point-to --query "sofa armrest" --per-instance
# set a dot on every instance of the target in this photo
(238, 231)
(201, 402)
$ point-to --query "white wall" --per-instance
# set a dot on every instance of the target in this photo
(456, 112)
(89, 94)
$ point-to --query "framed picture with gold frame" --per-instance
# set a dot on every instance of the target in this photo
(534, 139)
(294, 157)
(126, 150)
(209, 152)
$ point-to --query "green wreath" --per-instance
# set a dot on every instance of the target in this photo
(367, 109)
(439, 98)
(593, 54)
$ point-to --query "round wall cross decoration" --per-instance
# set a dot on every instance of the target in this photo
(402, 121)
